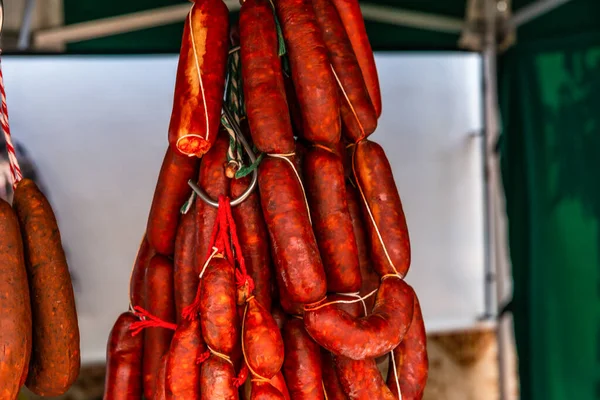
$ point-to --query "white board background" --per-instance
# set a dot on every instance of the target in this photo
(96, 127)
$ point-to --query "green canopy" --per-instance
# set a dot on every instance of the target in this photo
(549, 93)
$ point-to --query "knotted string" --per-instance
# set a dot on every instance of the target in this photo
(148, 320)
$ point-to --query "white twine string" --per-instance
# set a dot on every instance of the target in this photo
(396, 375)
(285, 157)
(368, 207)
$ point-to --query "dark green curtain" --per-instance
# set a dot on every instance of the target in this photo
(550, 148)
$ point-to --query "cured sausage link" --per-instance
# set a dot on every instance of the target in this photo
(182, 370)
(358, 114)
(123, 361)
(315, 84)
(326, 192)
(171, 192)
(368, 337)
(361, 379)
(200, 78)
(302, 365)
(410, 358)
(264, 89)
(55, 356)
(383, 213)
(297, 261)
(160, 303)
(15, 307)
(351, 15)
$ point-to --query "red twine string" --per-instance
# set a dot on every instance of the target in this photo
(148, 320)
(242, 376)
(223, 234)
(203, 357)
(15, 170)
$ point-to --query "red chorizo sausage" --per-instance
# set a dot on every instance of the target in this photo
(183, 373)
(262, 79)
(370, 279)
(184, 263)
(311, 71)
(349, 12)
(262, 341)
(215, 183)
(367, 337)
(358, 114)
(161, 378)
(55, 356)
(171, 192)
(15, 307)
(138, 274)
(326, 192)
(278, 382)
(331, 383)
(160, 303)
(299, 269)
(410, 358)
(200, 78)
(302, 365)
(254, 240)
(385, 221)
(265, 391)
(123, 361)
(361, 379)
(217, 380)
(219, 318)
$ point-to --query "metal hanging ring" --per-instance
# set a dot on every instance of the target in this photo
(240, 136)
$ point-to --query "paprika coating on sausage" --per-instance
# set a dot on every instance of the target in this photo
(367, 337)
(171, 192)
(265, 391)
(262, 79)
(383, 213)
(214, 182)
(351, 15)
(326, 192)
(357, 111)
(302, 365)
(138, 274)
(410, 357)
(183, 373)
(254, 240)
(15, 307)
(55, 357)
(370, 279)
(200, 80)
(312, 75)
(217, 380)
(123, 361)
(298, 265)
(361, 379)
(278, 382)
(184, 263)
(278, 315)
(161, 378)
(262, 341)
(294, 107)
(331, 383)
(160, 303)
(219, 318)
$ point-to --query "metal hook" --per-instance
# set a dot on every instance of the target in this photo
(240, 136)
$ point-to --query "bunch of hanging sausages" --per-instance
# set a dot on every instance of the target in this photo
(307, 293)
(39, 333)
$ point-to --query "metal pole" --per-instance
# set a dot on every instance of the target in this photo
(25, 32)
(494, 284)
